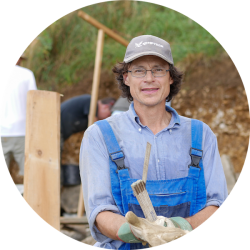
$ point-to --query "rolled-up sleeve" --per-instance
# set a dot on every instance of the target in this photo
(95, 176)
(215, 181)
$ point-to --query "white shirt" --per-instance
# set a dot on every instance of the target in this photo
(13, 105)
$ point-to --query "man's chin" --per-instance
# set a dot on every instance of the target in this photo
(149, 103)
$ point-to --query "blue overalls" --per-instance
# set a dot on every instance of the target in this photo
(177, 197)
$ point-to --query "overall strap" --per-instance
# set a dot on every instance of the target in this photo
(116, 160)
(196, 142)
(196, 170)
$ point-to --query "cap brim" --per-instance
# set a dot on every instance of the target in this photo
(147, 53)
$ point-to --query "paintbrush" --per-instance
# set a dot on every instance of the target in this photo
(140, 191)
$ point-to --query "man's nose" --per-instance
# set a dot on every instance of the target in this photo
(149, 75)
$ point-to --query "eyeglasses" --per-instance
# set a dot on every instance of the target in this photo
(156, 72)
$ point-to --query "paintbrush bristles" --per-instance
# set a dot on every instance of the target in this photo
(138, 186)
(142, 196)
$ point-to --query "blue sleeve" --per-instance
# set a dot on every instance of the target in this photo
(95, 176)
(215, 181)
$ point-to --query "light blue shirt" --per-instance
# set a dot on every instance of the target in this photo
(169, 159)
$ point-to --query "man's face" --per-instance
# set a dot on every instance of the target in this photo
(148, 90)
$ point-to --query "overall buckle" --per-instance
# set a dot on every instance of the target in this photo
(119, 161)
(195, 158)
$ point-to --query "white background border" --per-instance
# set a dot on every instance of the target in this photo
(22, 21)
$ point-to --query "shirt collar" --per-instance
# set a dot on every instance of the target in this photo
(174, 120)
(175, 117)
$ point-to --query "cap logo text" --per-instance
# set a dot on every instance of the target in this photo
(137, 45)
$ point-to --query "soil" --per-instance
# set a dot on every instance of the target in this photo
(212, 92)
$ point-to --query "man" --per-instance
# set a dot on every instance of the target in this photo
(185, 178)
(75, 111)
(13, 115)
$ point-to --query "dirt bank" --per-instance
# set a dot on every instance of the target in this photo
(212, 92)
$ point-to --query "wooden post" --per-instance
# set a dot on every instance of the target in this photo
(98, 25)
(96, 77)
(42, 155)
(94, 97)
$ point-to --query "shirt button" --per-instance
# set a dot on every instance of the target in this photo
(170, 131)
(140, 129)
(158, 160)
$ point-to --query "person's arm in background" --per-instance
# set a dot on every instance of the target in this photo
(32, 82)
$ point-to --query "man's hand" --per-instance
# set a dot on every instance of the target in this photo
(177, 222)
(110, 223)
(152, 232)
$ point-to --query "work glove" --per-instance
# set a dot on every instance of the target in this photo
(177, 222)
(137, 229)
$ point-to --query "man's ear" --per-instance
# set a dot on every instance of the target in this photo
(125, 78)
(171, 80)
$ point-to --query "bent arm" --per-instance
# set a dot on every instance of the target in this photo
(197, 219)
(96, 183)
(108, 223)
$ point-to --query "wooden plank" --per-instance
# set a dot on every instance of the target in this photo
(93, 102)
(74, 220)
(42, 155)
(98, 25)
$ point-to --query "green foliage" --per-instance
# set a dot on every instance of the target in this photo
(65, 52)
